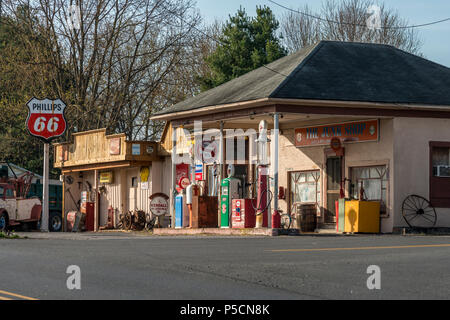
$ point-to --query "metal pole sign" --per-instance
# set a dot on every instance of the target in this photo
(46, 118)
(46, 121)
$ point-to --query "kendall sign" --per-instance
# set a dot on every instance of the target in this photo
(46, 118)
(357, 131)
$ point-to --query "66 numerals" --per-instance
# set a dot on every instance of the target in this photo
(42, 124)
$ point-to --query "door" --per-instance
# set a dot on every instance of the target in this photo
(334, 177)
(132, 189)
(103, 208)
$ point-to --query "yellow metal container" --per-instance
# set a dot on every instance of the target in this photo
(362, 216)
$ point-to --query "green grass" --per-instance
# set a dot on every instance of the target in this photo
(11, 235)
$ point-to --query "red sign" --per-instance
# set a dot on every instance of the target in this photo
(184, 182)
(46, 118)
(182, 171)
(357, 131)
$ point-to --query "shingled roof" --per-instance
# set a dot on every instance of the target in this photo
(341, 71)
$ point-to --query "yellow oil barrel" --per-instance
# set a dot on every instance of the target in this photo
(362, 217)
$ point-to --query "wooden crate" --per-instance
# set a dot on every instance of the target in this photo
(204, 212)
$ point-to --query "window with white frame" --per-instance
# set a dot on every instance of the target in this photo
(440, 157)
(305, 187)
(374, 182)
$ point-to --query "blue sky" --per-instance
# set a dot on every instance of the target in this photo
(436, 38)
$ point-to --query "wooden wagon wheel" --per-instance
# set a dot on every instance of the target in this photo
(418, 212)
(127, 221)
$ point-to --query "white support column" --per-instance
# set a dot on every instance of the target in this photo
(96, 204)
(45, 203)
(221, 171)
(173, 178)
(275, 161)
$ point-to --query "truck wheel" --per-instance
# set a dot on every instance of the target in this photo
(3, 221)
(54, 222)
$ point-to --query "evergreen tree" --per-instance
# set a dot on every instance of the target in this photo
(246, 44)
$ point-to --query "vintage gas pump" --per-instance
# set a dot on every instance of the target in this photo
(230, 190)
(179, 206)
(193, 190)
(264, 195)
(181, 216)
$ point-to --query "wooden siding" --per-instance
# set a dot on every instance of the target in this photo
(94, 147)
(166, 139)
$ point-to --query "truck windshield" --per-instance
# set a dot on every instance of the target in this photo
(2, 190)
(9, 193)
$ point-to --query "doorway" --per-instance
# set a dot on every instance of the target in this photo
(132, 184)
(334, 178)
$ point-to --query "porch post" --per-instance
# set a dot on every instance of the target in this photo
(275, 163)
(221, 172)
(174, 176)
(96, 204)
(63, 204)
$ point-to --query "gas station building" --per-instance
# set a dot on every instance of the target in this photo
(344, 120)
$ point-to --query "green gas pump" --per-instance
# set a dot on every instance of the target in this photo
(230, 190)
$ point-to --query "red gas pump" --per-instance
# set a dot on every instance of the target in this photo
(243, 214)
(253, 213)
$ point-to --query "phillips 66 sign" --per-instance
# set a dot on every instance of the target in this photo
(46, 118)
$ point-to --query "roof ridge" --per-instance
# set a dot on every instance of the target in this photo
(386, 45)
(417, 56)
(239, 78)
(313, 52)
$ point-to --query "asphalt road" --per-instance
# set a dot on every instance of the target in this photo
(315, 267)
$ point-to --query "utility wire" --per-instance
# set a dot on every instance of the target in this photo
(214, 39)
(355, 24)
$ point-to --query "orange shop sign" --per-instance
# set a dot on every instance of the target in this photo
(356, 131)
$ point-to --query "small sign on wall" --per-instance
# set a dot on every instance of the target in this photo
(106, 177)
(63, 153)
(114, 146)
(144, 173)
(136, 149)
(198, 172)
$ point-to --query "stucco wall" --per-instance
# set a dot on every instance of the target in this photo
(356, 154)
(412, 137)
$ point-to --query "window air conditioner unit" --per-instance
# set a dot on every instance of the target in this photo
(442, 171)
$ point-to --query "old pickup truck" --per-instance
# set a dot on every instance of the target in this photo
(15, 208)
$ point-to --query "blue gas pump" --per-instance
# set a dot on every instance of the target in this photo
(179, 211)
